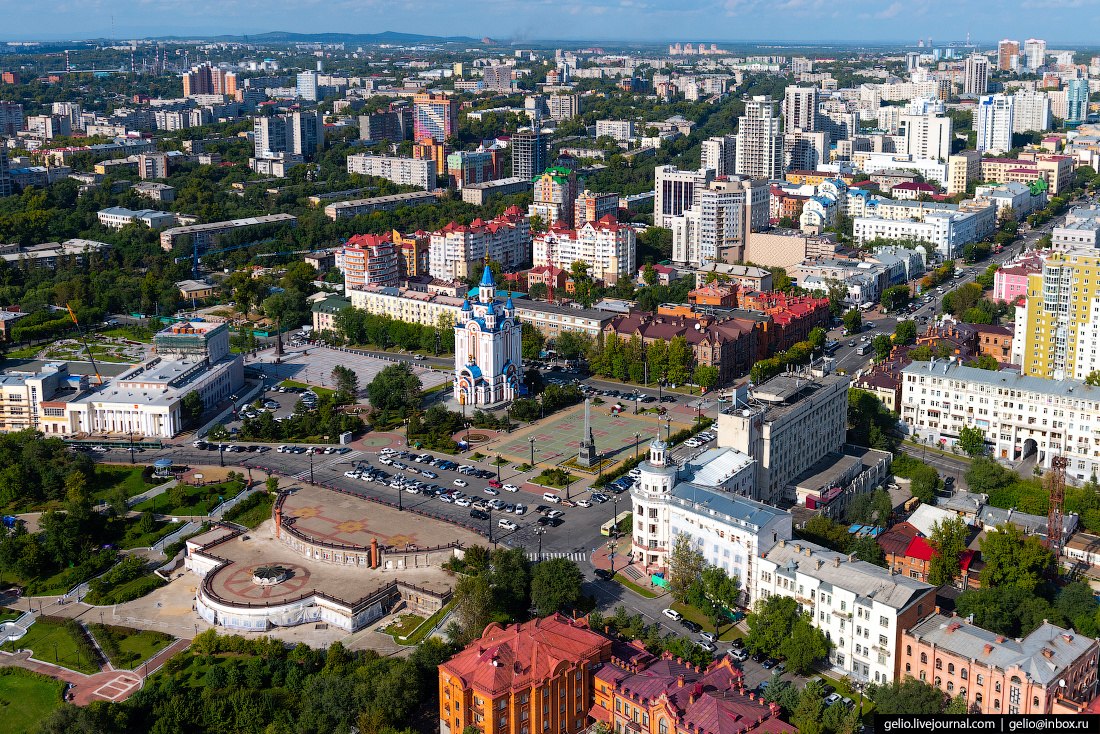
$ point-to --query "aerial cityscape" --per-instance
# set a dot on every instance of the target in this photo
(610, 368)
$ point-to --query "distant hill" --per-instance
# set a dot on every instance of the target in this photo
(364, 38)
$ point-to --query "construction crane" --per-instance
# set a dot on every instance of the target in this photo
(1056, 485)
(84, 340)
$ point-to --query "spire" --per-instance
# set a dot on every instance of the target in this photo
(487, 276)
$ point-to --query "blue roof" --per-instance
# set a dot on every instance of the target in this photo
(466, 305)
(487, 277)
(473, 369)
(508, 303)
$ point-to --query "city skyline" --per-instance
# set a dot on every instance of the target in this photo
(721, 21)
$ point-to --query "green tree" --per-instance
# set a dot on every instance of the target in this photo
(649, 274)
(395, 389)
(882, 344)
(572, 344)
(705, 376)
(272, 484)
(866, 548)
(895, 297)
(804, 646)
(347, 384)
(985, 362)
(853, 321)
(533, 341)
(771, 624)
(555, 586)
(957, 706)
(679, 360)
(905, 332)
(948, 541)
(685, 566)
(807, 715)
(908, 696)
(924, 482)
(718, 592)
(1013, 559)
(191, 408)
(972, 440)
(473, 605)
(1093, 378)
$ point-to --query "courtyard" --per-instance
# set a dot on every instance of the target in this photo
(314, 366)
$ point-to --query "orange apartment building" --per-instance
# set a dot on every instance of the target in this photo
(714, 294)
(1051, 671)
(996, 341)
(530, 678)
(414, 252)
(637, 693)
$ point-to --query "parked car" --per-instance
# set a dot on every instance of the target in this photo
(690, 626)
(510, 488)
(460, 483)
(709, 636)
(672, 614)
(506, 524)
(550, 497)
(708, 646)
(832, 698)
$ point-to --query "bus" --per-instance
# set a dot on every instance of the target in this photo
(605, 529)
(867, 306)
(831, 346)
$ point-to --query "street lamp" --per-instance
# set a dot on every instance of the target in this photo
(221, 453)
(539, 531)
(668, 430)
(531, 441)
(636, 437)
(131, 446)
(567, 486)
(611, 554)
(497, 462)
(311, 466)
(490, 510)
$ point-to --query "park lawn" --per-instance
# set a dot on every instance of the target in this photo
(108, 477)
(196, 500)
(253, 516)
(404, 625)
(9, 615)
(131, 647)
(128, 591)
(132, 333)
(49, 642)
(26, 699)
(418, 635)
(320, 391)
(134, 538)
(545, 481)
(25, 352)
(634, 587)
(728, 631)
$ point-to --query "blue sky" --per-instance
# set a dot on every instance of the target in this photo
(1065, 21)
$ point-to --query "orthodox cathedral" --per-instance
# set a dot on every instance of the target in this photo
(488, 349)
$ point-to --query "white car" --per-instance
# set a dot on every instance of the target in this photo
(672, 614)
(549, 497)
(491, 491)
(463, 502)
(446, 498)
(510, 488)
(352, 474)
(506, 524)
(460, 483)
(583, 503)
(521, 509)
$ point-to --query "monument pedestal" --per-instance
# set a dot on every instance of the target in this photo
(587, 456)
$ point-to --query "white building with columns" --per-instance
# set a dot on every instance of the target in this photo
(488, 348)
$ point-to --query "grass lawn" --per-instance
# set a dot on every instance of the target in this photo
(404, 625)
(251, 515)
(728, 631)
(195, 500)
(555, 482)
(132, 333)
(107, 478)
(9, 615)
(321, 391)
(634, 587)
(418, 635)
(134, 538)
(50, 642)
(127, 647)
(128, 591)
(26, 699)
(25, 352)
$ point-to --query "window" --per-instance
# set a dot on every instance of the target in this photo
(908, 668)
(939, 664)
(924, 658)
(981, 679)
(950, 668)
(884, 621)
(1034, 703)
(662, 727)
(908, 651)
(962, 673)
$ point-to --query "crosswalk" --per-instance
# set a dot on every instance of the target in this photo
(577, 556)
(331, 462)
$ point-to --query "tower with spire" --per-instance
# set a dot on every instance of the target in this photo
(488, 348)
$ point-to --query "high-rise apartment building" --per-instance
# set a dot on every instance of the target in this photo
(993, 122)
(1035, 52)
(394, 125)
(5, 177)
(715, 228)
(554, 196)
(962, 168)
(11, 118)
(838, 121)
(805, 151)
(592, 207)
(404, 171)
(1077, 100)
(1031, 111)
(295, 133)
(370, 259)
(926, 136)
(759, 140)
(435, 116)
(674, 191)
(208, 79)
(1061, 328)
(564, 106)
(152, 165)
(976, 74)
(497, 78)
(530, 153)
(306, 85)
(719, 154)
(800, 109)
(458, 250)
(607, 247)
(1008, 55)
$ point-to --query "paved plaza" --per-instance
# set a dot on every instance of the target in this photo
(558, 438)
(314, 365)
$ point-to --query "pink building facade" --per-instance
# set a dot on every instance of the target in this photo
(1010, 281)
(1052, 670)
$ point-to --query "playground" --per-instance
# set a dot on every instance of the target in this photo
(558, 438)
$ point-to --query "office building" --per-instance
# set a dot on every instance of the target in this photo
(434, 116)
(716, 227)
(369, 259)
(1035, 52)
(1008, 55)
(607, 247)
(789, 424)
(1021, 415)
(800, 109)
(456, 250)
(564, 106)
(1050, 671)
(976, 75)
(503, 681)
(719, 154)
(926, 135)
(1031, 111)
(555, 195)
(674, 191)
(530, 153)
(403, 171)
(1077, 101)
(394, 125)
(947, 227)
(646, 694)
(993, 118)
(592, 207)
(759, 140)
(705, 500)
(472, 167)
(863, 609)
(11, 118)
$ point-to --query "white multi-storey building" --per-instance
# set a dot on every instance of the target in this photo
(607, 247)
(1031, 111)
(1020, 415)
(717, 226)
(947, 227)
(718, 154)
(1035, 53)
(622, 131)
(675, 190)
(926, 135)
(488, 348)
(455, 250)
(800, 109)
(403, 171)
(976, 74)
(861, 608)
(993, 121)
(760, 140)
(117, 217)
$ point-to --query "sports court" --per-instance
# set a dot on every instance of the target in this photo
(558, 437)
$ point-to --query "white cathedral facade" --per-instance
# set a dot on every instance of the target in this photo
(488, 349)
